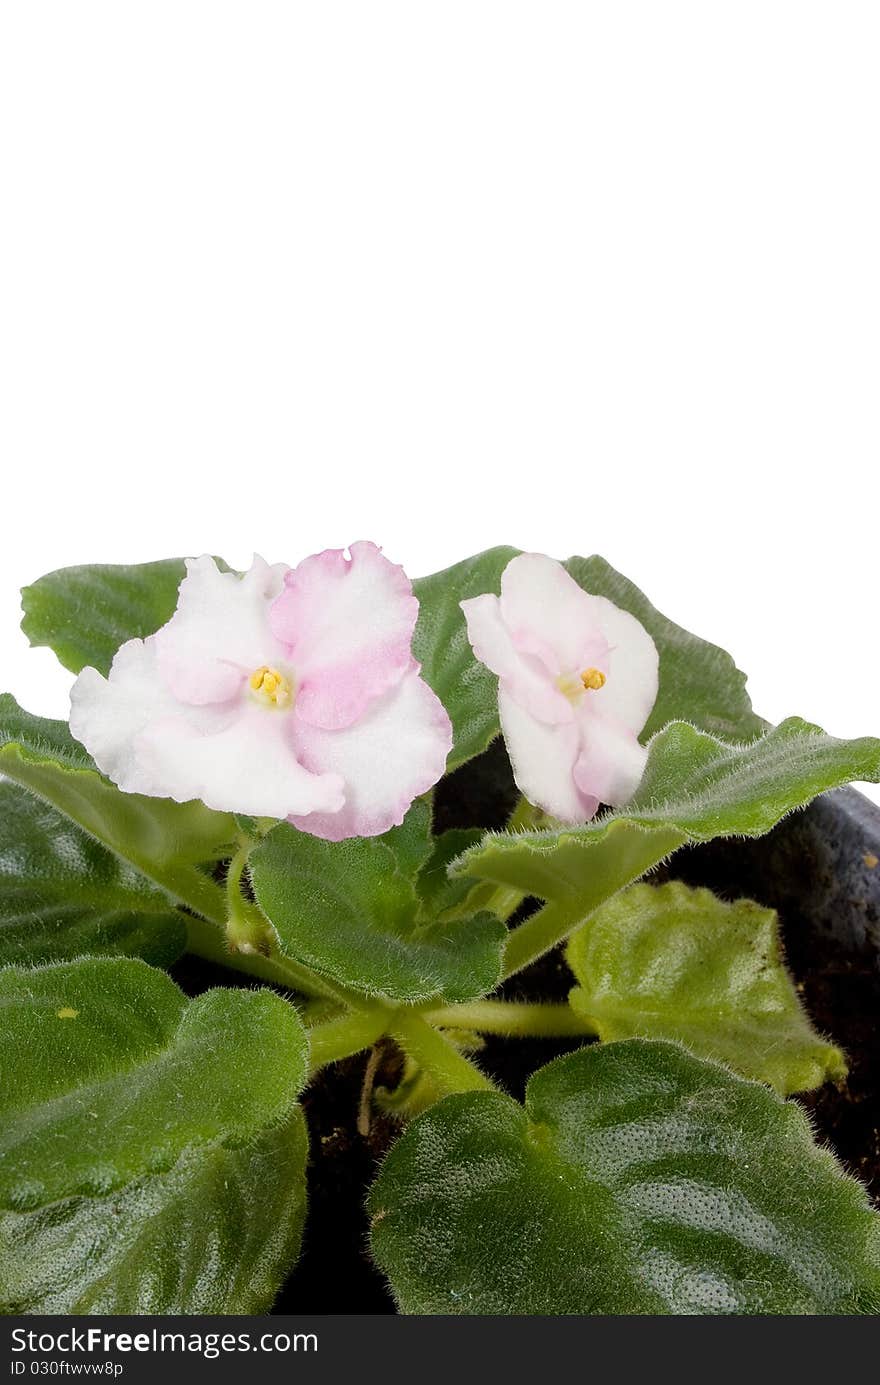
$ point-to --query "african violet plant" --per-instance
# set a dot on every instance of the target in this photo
(247, 775)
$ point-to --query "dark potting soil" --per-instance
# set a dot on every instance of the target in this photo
(815, 868)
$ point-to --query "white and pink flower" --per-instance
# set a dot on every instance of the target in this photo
(282, 693)
(577, 680)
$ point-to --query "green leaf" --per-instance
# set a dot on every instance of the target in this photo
(62, 895)
(153, 833)
(151, 1157)
(677, 963)
(695, 788)
(92, 1099)
(85, 613)
(466, 688)
(424, 859)
(217, 1233)
(348, 911)
(437, 889)
(698, 681)
(411, 843)
(638, 1179)
(712, 789)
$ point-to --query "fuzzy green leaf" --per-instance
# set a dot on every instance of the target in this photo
(411, 843)
(153, 833)
(350, 911)
(424, 859)
(85, 613)
(677, 963)
(695, 787)
(638, 1179)
(91, 1100)
(151, 1158)
(439, 891)
(62, 895)
(216, 1233)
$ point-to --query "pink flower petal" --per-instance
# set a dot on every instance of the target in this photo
(394, 753)
(220, 631)
(611, 762)
(250, 766)
(549, 615)
(542, 758)
(347, 624)
(523, 676)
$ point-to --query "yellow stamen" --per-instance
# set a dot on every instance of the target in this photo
(593, 679)
(270, 686)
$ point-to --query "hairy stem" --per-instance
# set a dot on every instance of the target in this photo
(365, 1104)
(436, 1055)
(500, 900)
(246, 930)
(538, 934)
(517, 1019)
(340, 1038)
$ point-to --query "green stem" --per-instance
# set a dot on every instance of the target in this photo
(246, 931)
(539, 934)
(340, 1038)
(234, 872)
(191, 887)
(517, 1019)
(316, 1011)
(500, 900)
(436, 1055)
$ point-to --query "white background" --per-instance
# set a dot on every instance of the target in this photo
(590, 277)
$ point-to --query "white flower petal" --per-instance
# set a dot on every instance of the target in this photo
(543, 637)
(395, 752)
(249, 766)
(523, 675)
(633, 669)
(108, 714)
(220, 632)
(545, 609)
(543, 759)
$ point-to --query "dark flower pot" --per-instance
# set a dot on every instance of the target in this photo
(819, 868)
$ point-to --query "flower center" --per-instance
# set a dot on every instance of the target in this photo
(593, 679)
(574, 685)
(270, 687)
